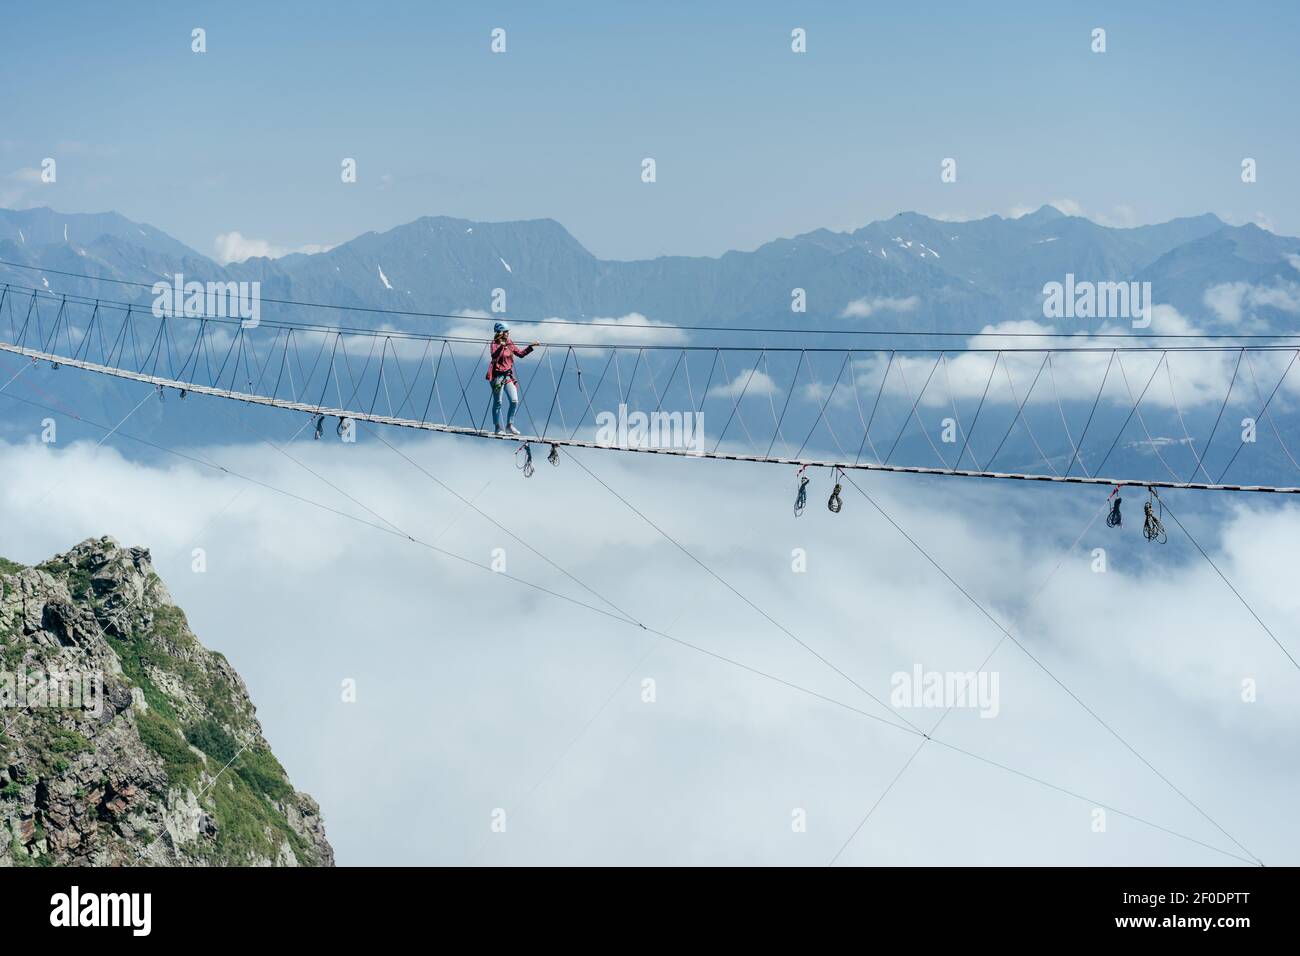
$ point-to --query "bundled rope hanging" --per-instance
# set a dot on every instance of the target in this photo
(835, 503)
(320, 426)
(343, 428)
(1152, 526)
(554, 456)
(527, 466)
(801, 498)
(1114, 519)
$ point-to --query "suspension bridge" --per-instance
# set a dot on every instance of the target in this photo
(843, 409)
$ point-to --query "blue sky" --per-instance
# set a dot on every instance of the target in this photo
(751, 140)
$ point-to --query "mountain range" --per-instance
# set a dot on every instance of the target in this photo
(936, 275)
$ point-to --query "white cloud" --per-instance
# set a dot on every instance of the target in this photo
(1225, 300)
(1283, 297)
(28, 174)
(16, 187)
(1200, 378)
(1070, 207)
(866, 306)
(1264, 221)
(1230, 301)
(489, 694)
(631, 329)
(235, 247)
(1119, 216)
(749, 383)
(625, 329)
(405, 348)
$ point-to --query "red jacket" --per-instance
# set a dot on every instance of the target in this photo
(503, 359)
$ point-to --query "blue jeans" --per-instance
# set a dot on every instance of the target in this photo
(503, 384)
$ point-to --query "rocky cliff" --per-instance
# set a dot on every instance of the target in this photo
(123, 740)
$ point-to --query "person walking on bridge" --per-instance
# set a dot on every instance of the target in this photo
(501, 373)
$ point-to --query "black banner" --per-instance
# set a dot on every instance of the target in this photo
(936, 906)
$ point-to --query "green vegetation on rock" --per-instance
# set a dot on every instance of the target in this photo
(11, 567)
(160, 735)
(193, 737)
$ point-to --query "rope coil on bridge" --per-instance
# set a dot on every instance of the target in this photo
(527, 466)
(1153, 527)
(1114, 519)
(835, 502)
